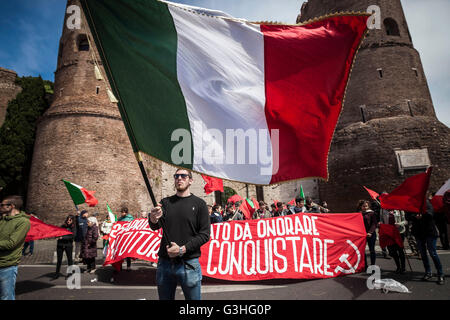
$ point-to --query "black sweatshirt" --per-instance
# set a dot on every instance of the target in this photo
(186, 222)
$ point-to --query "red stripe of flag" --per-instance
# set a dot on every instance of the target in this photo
(305, 85)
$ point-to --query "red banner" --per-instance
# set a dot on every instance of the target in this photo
(300, 246)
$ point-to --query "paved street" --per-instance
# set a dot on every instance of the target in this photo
(34, 282)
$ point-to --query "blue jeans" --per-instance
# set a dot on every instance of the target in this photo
(187, 273)
(8, 283)
(430, 244)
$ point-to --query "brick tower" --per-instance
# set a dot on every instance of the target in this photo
(8, 90)
(81, 138)
(388, 128)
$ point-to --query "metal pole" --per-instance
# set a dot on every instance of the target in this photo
(152, 196)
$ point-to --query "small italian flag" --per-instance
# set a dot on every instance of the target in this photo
(80, 195)
(112, 216)
(302, 195)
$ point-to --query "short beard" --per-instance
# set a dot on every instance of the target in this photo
(181, 189)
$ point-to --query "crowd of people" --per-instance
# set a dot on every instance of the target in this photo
(86, 231)
(232, 210)
(420, 230)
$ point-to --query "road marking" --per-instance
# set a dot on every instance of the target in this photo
(109, 287)
(205, 289)
(37, 266)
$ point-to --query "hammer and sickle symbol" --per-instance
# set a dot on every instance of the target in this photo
(344, 258)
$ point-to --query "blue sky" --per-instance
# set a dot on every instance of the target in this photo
(30, 31)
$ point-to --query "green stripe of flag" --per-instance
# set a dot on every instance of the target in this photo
(250, 202)
(139, 38)
(75, 193)
(112, 216)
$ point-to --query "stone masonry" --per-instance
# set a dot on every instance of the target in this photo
(8, 90)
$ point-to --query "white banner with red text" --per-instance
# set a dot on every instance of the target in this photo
(300, 246)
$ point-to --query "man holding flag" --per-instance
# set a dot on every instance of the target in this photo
(187, 225)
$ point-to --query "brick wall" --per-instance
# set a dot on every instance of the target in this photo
(8, 90)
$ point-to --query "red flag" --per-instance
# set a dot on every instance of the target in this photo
(389, 235)
(41, 230)
(247, 209)
(212, 184)
(235, 198)
(292, 202)
(410, 195)
(372, 193)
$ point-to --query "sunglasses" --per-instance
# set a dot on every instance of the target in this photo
(4, 204)
(182, 175)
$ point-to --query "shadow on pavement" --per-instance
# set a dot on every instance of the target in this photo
(146, 276)
(27, 286)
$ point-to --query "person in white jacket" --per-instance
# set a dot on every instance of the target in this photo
(105, 230)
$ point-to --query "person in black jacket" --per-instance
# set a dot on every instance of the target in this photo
(425, 232)
(81, 228)
(370, 223)
(186, 224)
(65, 244)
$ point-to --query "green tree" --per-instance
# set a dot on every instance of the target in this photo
(17, 134)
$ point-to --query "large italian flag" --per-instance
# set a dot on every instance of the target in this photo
(250, 102)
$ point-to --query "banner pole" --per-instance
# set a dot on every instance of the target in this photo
(152, 196)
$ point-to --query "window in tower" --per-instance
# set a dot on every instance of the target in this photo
(83, 44)
(416, 72)
(391, 27)
(362, 113)
(380, 72)
(97, 90)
